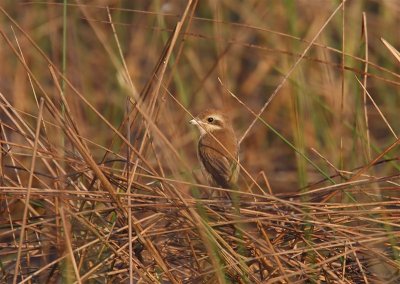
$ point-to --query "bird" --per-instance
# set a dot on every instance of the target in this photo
(217, 148)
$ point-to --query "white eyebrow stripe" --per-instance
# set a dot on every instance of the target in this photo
(217, 117)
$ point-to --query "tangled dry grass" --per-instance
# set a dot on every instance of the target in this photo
(86, 200)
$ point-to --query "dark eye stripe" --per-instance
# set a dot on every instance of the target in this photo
(217, 122)
(214, 121)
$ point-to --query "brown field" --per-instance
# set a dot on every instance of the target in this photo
(99, 176)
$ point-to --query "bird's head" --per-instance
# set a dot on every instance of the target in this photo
(211, 120)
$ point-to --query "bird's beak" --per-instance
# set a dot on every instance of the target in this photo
(194, 122)
(199, 124)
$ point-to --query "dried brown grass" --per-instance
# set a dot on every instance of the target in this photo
(85, 202)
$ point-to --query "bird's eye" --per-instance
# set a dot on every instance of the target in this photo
(210, 119)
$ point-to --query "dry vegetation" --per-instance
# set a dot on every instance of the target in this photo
(99, 177)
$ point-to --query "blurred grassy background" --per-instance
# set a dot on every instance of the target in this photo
(249, 45)
(319, 123)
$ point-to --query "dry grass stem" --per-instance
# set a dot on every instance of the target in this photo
(99, 177)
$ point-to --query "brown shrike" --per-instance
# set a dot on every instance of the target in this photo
(219, 160)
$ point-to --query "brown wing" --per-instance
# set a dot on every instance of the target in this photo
(217, 161)
(216, 165)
